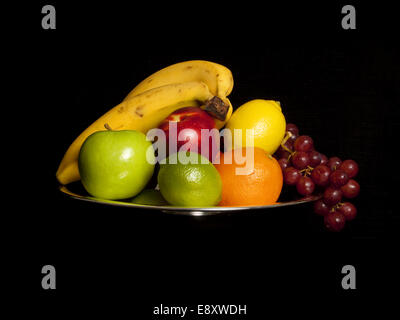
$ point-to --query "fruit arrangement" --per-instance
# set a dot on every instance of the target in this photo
(178, 127)
(186, 84)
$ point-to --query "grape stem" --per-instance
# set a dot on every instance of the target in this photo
(287, 136)
(336, 206)
(307, 171)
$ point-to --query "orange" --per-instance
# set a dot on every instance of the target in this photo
(257, 185)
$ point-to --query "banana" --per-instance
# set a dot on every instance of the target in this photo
(217, 77)
(141, 112)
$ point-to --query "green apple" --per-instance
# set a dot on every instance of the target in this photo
(150, 197)
(116, 164)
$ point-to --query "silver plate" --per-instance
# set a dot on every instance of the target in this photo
(188, 211)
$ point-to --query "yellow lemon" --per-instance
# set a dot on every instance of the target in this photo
(257, 123)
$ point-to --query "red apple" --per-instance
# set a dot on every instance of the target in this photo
(183, 127)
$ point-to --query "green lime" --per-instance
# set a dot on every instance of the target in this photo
(191, 183)
(150, 197)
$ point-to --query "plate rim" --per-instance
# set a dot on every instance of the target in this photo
(192, 211)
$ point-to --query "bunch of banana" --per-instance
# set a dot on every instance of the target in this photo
(189, 83)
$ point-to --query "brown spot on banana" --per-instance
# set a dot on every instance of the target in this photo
(138, 111)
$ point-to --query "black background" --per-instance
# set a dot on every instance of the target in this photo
(339, 86)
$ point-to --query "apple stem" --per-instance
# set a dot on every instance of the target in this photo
(107, 126)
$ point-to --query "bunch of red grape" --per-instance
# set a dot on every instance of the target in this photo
(311, 172)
